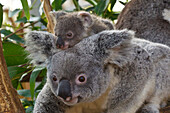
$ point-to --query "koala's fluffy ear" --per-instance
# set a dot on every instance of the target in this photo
(55, 15)
(114, 46)
(40, 45)
(85, 18)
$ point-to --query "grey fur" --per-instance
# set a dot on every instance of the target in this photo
(73, 22)
(148, 19)
(123, 73)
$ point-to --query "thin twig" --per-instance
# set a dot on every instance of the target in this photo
(20, 29)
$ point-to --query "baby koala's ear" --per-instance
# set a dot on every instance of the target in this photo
(56, 14)
(86, 18)
(40, 45)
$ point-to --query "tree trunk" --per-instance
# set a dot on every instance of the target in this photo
(9, 100)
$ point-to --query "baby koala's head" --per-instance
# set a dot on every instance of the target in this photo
(71, 28)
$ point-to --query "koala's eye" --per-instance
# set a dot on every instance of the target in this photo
(54, 78)
(81, 79)
(69, 34)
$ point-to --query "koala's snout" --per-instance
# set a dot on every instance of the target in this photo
(60, 42)
(64, 89)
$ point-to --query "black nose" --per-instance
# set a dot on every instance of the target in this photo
(60, 42)
(64, 89)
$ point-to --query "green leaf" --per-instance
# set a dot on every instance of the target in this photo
(16, 72)
(12, 13)
(92, 2)
(33, 77)
(14, 54)
(112, 15)
(1, 14)
(26, 8)
(76, 5)
(123, 3)
(57, 5)
(112, 4)
(15, 83)
(26, 103)
(24, 92)
(21, 20)
(101, 6)
(13, 37)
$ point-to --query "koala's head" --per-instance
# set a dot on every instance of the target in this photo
(80, 74)
(76, 79)
(70, 28)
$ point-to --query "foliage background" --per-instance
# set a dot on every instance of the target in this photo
(12, 35)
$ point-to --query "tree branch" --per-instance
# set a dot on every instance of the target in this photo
(20, 29)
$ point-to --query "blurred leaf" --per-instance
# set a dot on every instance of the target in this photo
(15, 83)
(29, 109)
(25, 102)
(16, 71)
(1, 14)
(24, 92)
(92, 2)
(26, 8)
(101, 6)
(112, 4)
(12, 13)
(20, 15)
(33, 77)
(21, 20)
(76, 4)
(90, 9)
(123, 3)
(13, 37)
(112, 15)
(14, 54)
(40, 86)
(57, 5)
(33, 19)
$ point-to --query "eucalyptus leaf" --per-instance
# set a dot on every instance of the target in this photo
(92, 2)
(33, 77)
(101, 6)
(21, 20)
(14, 54)
(1, 14)
(12, 13)
(57, 4)
(13, 37)
(26, 8)
(24, 92)
(76, 4)
(16, 72)
(112, 4)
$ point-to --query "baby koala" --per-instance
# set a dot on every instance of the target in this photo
(71, 28)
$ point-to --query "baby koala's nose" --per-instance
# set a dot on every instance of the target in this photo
(60, 42)
(64, 90)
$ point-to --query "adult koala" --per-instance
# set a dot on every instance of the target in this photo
(110, 72)
(150, 19)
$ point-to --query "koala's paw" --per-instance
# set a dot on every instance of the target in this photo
(149, 109)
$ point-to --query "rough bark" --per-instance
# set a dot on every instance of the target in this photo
(9, 100)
